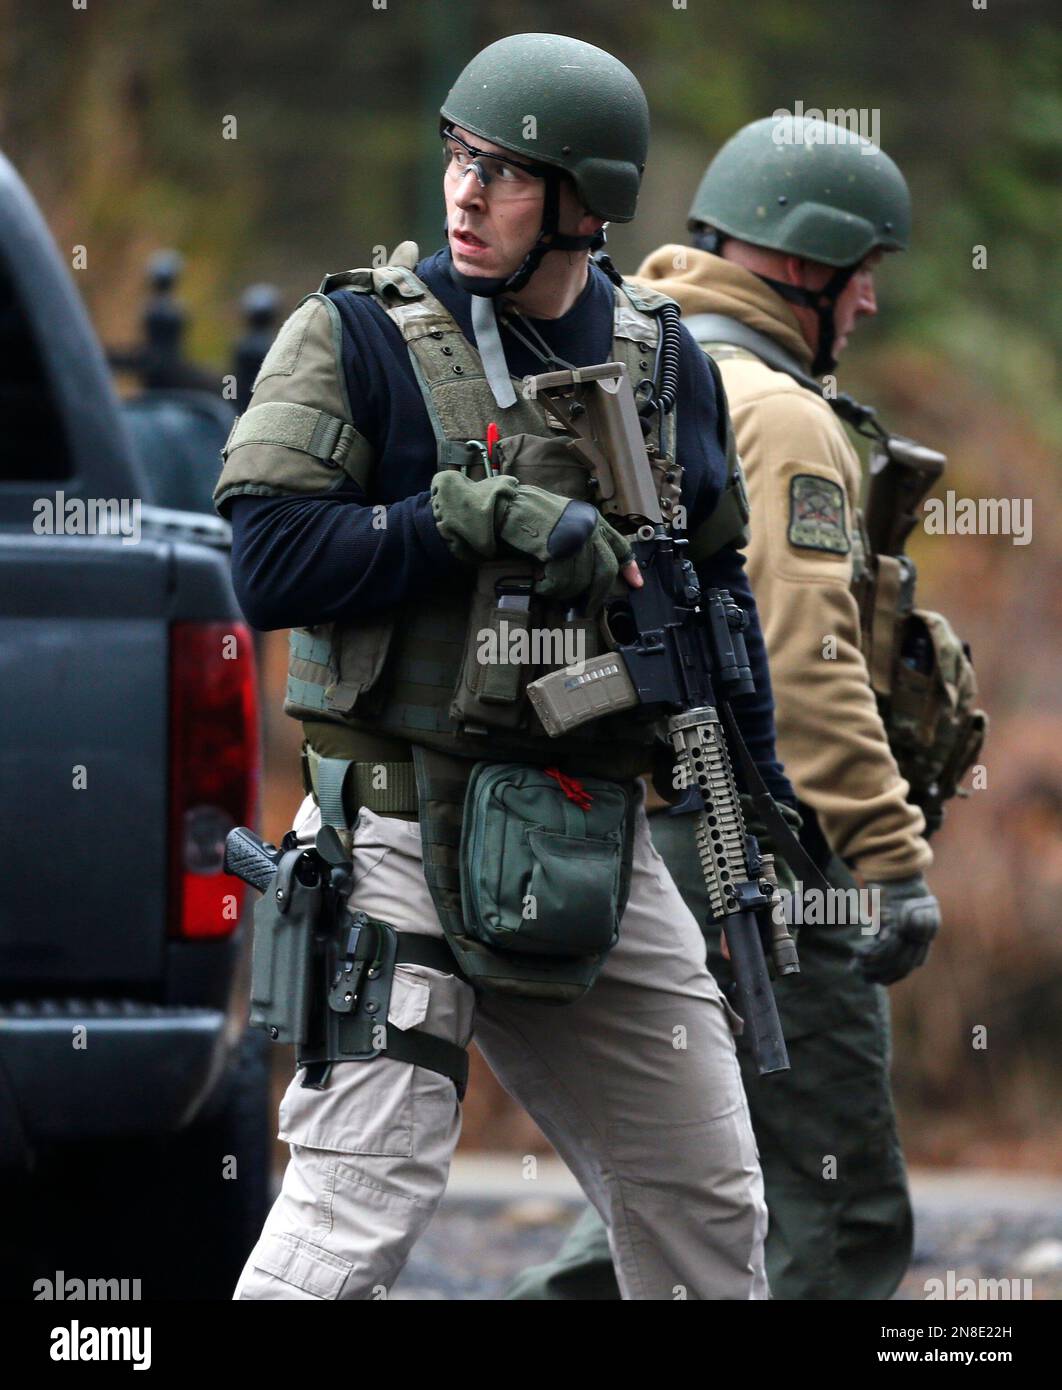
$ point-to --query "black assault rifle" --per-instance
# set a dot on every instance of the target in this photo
(679, 654)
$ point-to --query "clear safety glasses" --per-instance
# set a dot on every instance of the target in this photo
(499, 175)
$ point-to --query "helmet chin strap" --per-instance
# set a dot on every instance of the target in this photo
(823, 301)
(485, 288)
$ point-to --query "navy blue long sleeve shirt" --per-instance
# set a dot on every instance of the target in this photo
(302, 560)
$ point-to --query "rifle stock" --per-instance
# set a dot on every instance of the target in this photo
(900, 476)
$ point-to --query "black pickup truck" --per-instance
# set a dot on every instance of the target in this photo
(134, 1109)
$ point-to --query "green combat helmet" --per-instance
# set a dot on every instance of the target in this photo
(808, 188)
(564, 107)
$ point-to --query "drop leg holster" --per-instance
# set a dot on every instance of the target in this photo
(350, 1023)
(322, 974)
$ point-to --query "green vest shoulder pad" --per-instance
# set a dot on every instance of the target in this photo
(649, 301)
(396, 277)
(297, 434)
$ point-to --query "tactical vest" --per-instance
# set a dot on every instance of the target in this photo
(920, 670)
(416, 676)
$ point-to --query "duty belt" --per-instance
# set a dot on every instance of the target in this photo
(341, 787)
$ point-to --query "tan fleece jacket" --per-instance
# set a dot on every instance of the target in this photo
(803, 479)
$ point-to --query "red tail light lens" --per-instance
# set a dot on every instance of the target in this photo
(214, 764)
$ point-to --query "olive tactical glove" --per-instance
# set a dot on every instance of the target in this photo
(909, 920)
(579, 551)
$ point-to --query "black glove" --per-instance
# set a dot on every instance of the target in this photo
(909, 920)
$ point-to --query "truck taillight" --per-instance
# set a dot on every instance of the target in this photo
(213, 770)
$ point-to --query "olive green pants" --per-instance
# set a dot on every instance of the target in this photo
(840, 1224)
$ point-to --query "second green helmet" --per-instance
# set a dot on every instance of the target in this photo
(564, 103)
(808, 188)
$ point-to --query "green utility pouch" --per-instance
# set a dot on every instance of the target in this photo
(286, 920)
(494, 670)
(512, 638)
(556, 463)
(442, 791)
(545, 861)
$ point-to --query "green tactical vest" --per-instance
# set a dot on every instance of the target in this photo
(402, 677)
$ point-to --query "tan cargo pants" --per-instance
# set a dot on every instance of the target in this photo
(637, 1087)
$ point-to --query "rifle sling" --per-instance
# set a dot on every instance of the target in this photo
(717, 328)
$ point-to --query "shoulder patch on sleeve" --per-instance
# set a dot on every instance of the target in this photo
(817, 515)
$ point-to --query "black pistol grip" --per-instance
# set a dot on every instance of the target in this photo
(247, 856)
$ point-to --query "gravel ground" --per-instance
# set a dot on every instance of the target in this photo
(987, 1226)
(976, 1225)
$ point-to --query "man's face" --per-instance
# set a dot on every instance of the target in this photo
(490, 229)
(857, 300)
